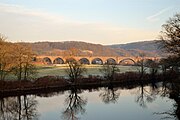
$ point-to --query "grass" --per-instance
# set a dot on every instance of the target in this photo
(91, 70)
(59, 70)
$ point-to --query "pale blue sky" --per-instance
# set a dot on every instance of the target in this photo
(95, 21)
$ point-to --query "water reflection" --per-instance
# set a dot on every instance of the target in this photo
(110, 94)
(18, 108)
(170, 114)
(25, 107)
(146, 95)
(172, 90)
(75, 105)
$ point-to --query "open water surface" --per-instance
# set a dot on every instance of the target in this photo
(106, 103)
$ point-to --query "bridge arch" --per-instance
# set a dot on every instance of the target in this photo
(47, 60)
(58, 60)
(111, 61)
(34, 59)
(97, 61)
(84, 61)
(129, 61)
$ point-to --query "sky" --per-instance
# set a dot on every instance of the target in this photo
(94, 21)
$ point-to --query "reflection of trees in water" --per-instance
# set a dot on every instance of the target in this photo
(146, 95)
(172, 90)
(18, 108)
(110, 94)
(165, 91)
(75, 105)
(170, 114)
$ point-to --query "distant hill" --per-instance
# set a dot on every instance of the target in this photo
(150, 48)
(58, 48)
(144, 45)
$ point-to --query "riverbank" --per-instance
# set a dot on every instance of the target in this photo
(53, 83)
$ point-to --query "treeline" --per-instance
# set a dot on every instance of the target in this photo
(150, 48)
(83, 48)
(15, 59)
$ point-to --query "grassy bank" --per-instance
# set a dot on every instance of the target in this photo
(91, 70)
(59, 70)
(48, 83)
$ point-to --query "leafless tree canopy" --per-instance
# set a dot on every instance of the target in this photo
(16, 59)
(109, 71)
(2, 38)
(170, 35)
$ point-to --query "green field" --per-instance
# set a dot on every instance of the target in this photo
(59, 70)
(91, 70)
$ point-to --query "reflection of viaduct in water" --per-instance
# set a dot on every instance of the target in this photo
(89, 60)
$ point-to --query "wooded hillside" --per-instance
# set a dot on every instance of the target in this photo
(150, 48)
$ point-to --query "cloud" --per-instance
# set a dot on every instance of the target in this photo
(30, 25)
(156, 16)
(20, 10)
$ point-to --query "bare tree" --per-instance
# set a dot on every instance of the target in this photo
(17, 59)
(170, 35)
(2, 38)
(23, 67)
(170, 64)
(75, 70)
(5, 61)
(109, 70)
(141, 65)
(6, 53)
(153, 66)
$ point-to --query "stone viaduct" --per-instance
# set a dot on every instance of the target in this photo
(89, 59)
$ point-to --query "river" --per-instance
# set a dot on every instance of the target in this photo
(150, 102)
